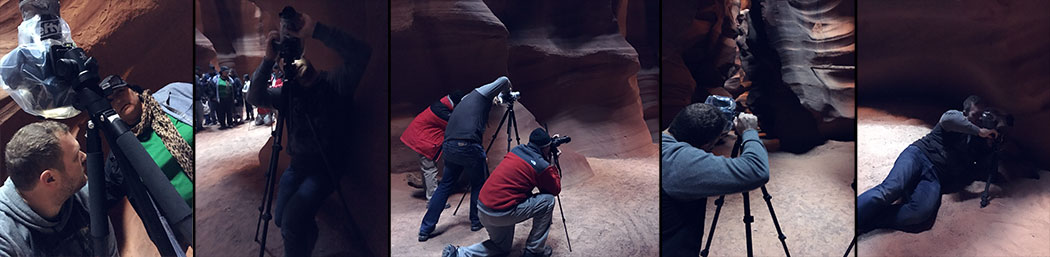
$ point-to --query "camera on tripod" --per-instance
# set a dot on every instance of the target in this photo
(559, 140)
(72, 66)
(727, 106)
(509, 97)
(997, 120)
(289, 48)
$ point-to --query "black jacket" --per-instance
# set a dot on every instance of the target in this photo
(323, 108)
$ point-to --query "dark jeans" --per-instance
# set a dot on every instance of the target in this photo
(912, 178)
(225, 111)
(460, 156)
(302, 191)
(248, 110)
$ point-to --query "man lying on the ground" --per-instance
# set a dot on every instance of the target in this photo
(954, 154)
(43, 204)
(690, 172)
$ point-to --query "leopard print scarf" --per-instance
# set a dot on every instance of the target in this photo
(154, 117)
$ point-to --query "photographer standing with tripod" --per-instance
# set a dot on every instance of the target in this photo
(463, 152)
(690, 172)
(316, 107)
(507, 199)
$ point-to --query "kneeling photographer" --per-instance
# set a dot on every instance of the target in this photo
(49, 76)
(507, 199)
(690, 172)
(318, 106)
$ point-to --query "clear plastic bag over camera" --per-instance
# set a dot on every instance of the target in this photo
(23, 72)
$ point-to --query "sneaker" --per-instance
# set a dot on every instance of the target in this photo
(547, 251)
(423, 238)
(476, 227)
(449, 251)
(414, 180)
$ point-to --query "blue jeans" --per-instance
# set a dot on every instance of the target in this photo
(913, 178)
(302, 191)
(460, 157)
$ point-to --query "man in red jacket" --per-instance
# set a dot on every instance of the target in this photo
(425, 135)
(506, 199)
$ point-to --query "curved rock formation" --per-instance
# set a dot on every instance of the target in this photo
(796, 60)
(935, 54)
(575, 69)
(133, 50)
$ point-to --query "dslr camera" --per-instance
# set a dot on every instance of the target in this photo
(508, 96)
(727, 106)
(559, 140)
(998, 120)
(289, 48)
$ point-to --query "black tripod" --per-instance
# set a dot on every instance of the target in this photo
(557, 163)
(992, 170)
(271, 179)
(748, 219)
(512, 122)
(165, 215)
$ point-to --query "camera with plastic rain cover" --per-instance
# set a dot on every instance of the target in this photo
(726, 106)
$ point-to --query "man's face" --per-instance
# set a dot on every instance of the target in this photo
(127, 105)
(546, 152)
(974, 116)
(72, 160)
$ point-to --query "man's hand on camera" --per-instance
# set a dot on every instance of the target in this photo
(745, 121)
(989, 133)
(303, 28)
(271, 45)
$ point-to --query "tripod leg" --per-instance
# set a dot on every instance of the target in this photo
(493, 140)
(460, 202)
(769, 203)
(748, 219)
(714, 222)
(271, 177)
(850, 248)
(563, 225)
(985, 198)
(517, 135)
(510, 123)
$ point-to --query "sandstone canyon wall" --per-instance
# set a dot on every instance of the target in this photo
(790, 62)
(572, 61)
(133, 39)
(935, 54)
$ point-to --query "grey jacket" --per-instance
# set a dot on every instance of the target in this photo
(23, 232)
(689, 175)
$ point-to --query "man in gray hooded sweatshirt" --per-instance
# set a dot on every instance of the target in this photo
(43, 204)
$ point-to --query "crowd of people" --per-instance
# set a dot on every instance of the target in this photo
(221, 97)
